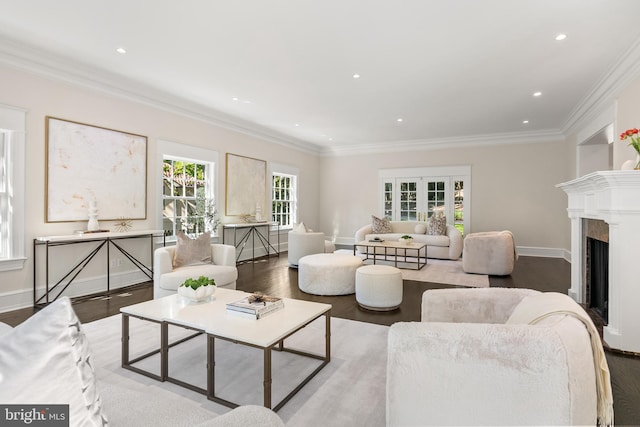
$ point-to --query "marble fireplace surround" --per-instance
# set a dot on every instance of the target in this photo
(613, 197)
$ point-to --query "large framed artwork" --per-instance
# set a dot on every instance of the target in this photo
(246, 185)
(90, 165)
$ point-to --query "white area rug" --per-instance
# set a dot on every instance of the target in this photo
(349, 391)
(448, 273)
(436, 271)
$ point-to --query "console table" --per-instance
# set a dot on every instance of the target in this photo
(252, 229)
(103, 240)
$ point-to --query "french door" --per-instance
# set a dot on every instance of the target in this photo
(418, 198)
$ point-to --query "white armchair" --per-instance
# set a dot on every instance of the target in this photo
(466, 363)
(166, 278)
(309, 243)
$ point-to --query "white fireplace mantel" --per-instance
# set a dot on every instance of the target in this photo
(614, 197)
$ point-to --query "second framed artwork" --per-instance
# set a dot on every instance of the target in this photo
(89, 165)
(246, 185)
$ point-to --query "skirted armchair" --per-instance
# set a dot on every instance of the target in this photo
(301, 244)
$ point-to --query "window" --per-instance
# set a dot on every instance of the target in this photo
(12, 186)
(283, 199)
(414, 194)
(188, 189)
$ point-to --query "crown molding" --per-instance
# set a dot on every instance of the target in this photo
(605, 91)
(509, 138)
(43, 63)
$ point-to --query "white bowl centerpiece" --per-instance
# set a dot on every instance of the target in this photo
(406, 239)
(197, 290)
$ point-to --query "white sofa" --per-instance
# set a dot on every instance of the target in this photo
(47, 360)
(469, 363)
(448, 246)
(166, 278)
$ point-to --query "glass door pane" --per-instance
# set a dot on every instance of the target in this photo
(388, 200)
(408, 200)
(436, 195)
(458, 205)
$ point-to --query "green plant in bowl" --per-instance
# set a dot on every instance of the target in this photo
(406, 236)
(197, 290)
(196, 283)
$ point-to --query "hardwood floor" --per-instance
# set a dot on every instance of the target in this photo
(273, 276)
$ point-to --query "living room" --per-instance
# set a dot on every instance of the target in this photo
(514, 173)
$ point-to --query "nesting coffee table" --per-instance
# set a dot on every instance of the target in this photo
(211, 318)
(396, 252)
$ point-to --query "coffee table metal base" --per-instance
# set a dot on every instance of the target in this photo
(128, 363)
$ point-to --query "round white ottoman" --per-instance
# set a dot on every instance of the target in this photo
(379, 287)
(328, 274)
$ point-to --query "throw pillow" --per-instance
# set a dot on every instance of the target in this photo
(420, 229)
(380, 226)
(437, 225)
(300, 228)
(47, 360)
(192, 251)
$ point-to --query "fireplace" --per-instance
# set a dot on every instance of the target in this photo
(604, 208)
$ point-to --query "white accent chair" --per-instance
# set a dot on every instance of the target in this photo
(166, 278)
(466, 363)
(489, 252)
(302, 244)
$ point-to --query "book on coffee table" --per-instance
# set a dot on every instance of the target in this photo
(255, 308)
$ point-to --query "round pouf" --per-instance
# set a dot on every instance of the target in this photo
(379, 287)
(328, 274)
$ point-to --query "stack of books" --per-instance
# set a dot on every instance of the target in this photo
(255, 308)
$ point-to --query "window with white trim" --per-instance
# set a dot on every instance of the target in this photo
(284, 195)
(187, 189)
(12, 188)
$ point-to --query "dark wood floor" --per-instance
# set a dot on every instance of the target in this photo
(273, 276)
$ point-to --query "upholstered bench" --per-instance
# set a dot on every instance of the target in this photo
(379, 287)
(491, 252)
(328, 274)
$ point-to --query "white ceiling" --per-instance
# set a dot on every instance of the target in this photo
(453, 70)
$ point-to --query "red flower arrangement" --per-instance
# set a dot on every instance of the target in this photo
(632, 135)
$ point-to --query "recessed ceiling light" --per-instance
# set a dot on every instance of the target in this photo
(121, 50)
(330, 139)
(356, 76)
(399, 120)
(235, 98)
(524, 122)
(561, 37)
(297, 124)
(536, 94)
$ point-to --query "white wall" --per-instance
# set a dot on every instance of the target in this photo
(513, 188)
(41, 97)
(513, 185)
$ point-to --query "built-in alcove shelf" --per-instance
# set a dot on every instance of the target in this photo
(613, 197)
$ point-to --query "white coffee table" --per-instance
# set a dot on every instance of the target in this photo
(211, 318)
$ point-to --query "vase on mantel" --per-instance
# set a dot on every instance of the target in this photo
(631, 164)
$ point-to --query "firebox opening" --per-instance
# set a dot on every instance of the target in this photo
(598, 277)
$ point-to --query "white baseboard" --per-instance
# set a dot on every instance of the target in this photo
(544, 252)
(15, 300)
